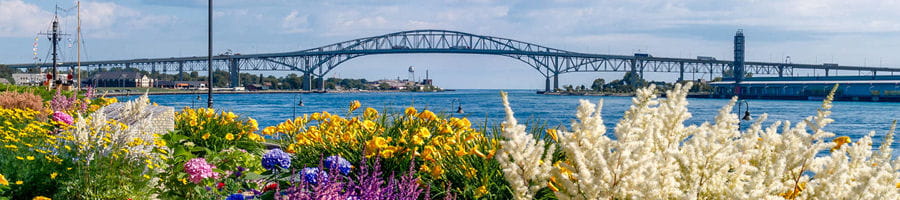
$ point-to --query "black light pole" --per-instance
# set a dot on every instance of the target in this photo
(459, 108)
(746, 111)
(209, 98)
(299, 103)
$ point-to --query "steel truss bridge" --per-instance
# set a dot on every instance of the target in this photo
(549, 62)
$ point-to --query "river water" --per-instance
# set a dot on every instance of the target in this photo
(854, 119)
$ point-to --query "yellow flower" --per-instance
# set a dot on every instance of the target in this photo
(254, 126)
(11, 146)
(369, 125)
(3, 180)
(205, 136)
(370, 113)
(53, 175)
(840, 142)
(269, 130)
(552, 187)
(481, 191)
(552, 134)
(387, 153)
(20, 158)
(423, 132)
(427, 115)
(183, 181)
(41, 198)
(354, 105)
(229, 136)
(229, 116)
(410, 111)
(19, 182)
(437, 171)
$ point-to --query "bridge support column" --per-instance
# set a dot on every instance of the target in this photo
(307, 81)
(681, 72)
(181, 71)
(547, 83)
(322, 83)
(234, 70)
(555, 81)
(826, 72)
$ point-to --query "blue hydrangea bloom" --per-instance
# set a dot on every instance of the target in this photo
(276, 158)
(311, 175)
(339, 163)
(235, 197)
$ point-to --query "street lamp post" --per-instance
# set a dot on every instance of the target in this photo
(209, 98)
(459, 108)
(746, 117)
(299, 103)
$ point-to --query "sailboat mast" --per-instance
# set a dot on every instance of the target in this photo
(78, 47)
(54, 38)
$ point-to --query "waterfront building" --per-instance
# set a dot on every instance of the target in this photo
(120, 79)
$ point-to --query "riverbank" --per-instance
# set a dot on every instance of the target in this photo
(156, 91)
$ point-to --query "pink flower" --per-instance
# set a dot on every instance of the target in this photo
(63, 117)
(198, 169)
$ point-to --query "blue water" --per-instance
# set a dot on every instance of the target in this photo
(854, 119)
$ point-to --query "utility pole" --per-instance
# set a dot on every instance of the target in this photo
(209, 95)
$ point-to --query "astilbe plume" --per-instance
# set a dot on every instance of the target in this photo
(654, 156)
(25, 100)
(526, 163)
(62, 102)
(97, 135)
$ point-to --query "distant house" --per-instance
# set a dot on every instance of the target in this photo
(4, 81)
(180, 84)
(120, 79)
(29, 79)
(33, 79)
(254, 87)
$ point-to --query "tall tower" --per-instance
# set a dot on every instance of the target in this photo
(738, 66)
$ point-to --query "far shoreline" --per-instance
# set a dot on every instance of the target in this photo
(138, 92)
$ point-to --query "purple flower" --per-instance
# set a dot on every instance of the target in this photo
(63, 117)
(61, 102)
(237, 196)
(311, 175)
(339, 163)
(276, 158)
(239, 171)
(198, 169)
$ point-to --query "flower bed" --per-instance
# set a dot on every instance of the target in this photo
(67, 148)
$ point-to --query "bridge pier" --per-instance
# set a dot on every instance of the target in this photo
(555, 81)
(547, 83)
(307, 81)
(681, 72)
(235, 70)
(322, 83)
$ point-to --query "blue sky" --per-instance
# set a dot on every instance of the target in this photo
(810, 31)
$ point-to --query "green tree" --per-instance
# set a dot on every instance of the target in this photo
(598, 84)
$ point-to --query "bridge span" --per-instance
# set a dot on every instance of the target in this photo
(549, 62)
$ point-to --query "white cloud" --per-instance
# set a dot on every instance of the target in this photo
(18, 19)
(295, 23)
